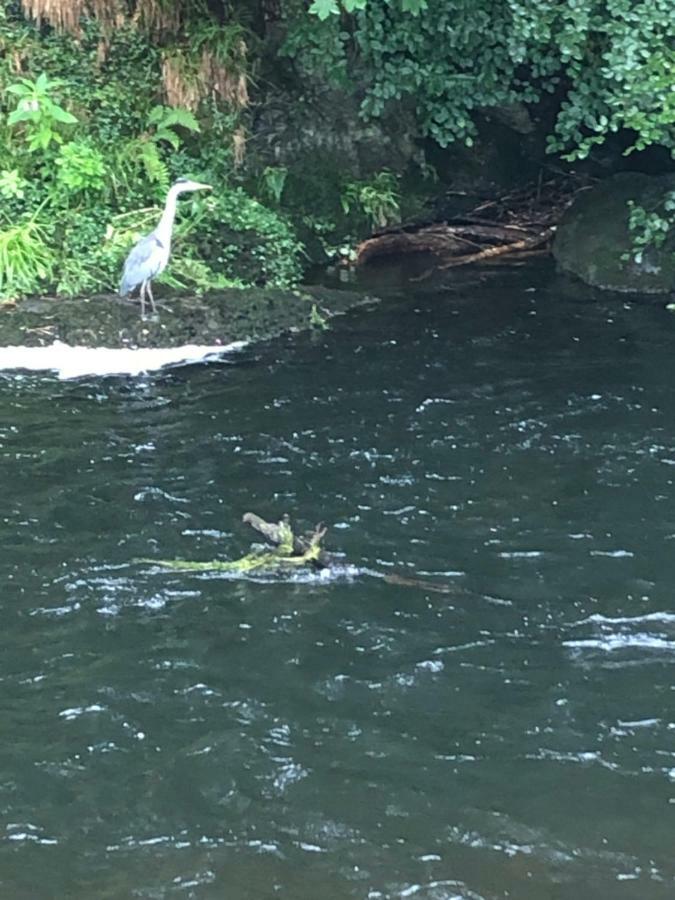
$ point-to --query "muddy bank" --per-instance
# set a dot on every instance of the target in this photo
(218, 319)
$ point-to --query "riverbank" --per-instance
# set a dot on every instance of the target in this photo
(213, 319)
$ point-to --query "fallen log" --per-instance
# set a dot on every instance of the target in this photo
(517, 222)
(523, 247)
(528, 243)
(440, 239)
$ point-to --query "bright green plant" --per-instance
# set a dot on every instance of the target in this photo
(12, 185)
(26, 259)
(80, 167)
(316, 320)
(40, 116)
(142, 158)
(326, 8)
(138, 160)
(163, 121)
(378, 199)
(650, 227)
(273, 181)
(611, 61)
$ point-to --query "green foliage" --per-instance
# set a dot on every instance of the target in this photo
(38, 114)
(611, 63)
(316, 320)
(273, 181)
(650, 227)
(324, 8)
(26, 258)
(319, 48)
(12, 185)
(81, 168)
(246, 238)
(86, 147)
(140, 160)
(85, 139)
(163, 121)
(377, 198)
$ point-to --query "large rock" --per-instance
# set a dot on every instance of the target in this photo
(593, 237)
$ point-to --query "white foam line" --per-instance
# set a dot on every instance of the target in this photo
(598, 618)
(622, 642)
(75, 362)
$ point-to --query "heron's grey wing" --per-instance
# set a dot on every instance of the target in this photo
(147, 259)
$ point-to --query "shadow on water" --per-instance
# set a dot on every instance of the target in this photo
(190, 734)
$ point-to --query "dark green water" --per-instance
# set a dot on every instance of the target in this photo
(197, 736)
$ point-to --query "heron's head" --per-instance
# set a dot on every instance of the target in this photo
(183, 185)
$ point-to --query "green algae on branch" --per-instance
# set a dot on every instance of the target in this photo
(291, 551)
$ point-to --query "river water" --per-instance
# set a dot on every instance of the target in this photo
(511, 440)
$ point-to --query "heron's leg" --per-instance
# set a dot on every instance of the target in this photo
(152, 299)
(142, 296)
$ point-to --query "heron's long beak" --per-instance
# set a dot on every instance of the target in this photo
(198, 186)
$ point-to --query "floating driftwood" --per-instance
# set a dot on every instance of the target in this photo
(289, 551)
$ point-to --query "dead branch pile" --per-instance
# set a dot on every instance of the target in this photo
(518, 223)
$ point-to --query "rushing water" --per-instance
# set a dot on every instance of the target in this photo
(177, 734)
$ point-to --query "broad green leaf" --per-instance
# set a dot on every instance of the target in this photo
(62, 115)
(415, 7)
(324, 8)
(22, 115)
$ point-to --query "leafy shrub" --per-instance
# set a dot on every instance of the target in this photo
(26, 259)
(249, 239)
(81, 168)
(376, 198)
(38, 113)
(650, 227)
(611, 64)
(12, 185)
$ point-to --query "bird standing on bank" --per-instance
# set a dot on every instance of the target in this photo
(149, 257)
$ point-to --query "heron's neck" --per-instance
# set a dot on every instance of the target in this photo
(165, 226)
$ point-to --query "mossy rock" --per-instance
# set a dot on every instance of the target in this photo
(214, 319)
(593, 237)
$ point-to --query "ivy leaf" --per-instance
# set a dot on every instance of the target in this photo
(324, 8)
(414, 7)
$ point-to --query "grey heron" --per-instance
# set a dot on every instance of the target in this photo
(151, 254)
